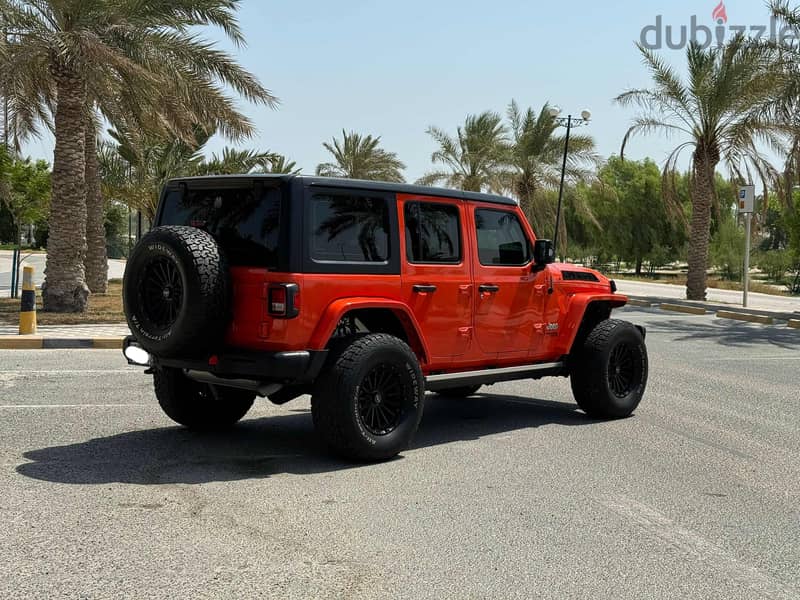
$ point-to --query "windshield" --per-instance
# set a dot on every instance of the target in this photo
(245, 221)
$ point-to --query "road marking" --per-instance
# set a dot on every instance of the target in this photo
(747, 358)
(42, 372)
(696, 546)
(72, 405)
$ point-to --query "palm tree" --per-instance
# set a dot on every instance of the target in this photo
(536, 159)
(474, 158)
(722, 112)
(360, 157)
(134, 169)
(278, 163)
(233, 161)
(790, 107)
(139, 63)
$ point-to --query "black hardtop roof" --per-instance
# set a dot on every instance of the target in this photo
(359, 184)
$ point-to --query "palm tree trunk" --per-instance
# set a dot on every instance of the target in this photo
(65, 287)
(96, 255)
(702, 188)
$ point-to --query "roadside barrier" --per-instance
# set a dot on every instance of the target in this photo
(27, 310)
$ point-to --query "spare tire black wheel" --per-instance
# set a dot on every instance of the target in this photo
(176, 291)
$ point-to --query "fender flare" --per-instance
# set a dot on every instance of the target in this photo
(579, 305)
(338, 308)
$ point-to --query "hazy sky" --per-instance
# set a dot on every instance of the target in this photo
(394, 68)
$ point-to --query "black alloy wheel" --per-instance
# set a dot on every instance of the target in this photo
(622, 370)
(161, 293)
(380, 399)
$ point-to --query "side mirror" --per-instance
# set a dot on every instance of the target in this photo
(543, 253)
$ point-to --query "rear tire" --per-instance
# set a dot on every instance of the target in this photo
(368, 400)
(609, 371)
(199, 405)
(460, 392)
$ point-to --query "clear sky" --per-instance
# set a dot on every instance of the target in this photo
(394, 68)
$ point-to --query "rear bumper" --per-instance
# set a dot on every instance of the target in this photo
(279, 367)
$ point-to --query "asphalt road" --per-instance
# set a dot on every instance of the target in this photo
(508, 495)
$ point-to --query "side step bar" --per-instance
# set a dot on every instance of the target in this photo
(487, 376)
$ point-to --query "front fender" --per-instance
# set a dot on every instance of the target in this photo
(578, 306)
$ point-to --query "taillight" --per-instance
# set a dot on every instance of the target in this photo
(283, 300)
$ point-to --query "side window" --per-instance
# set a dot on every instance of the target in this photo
(352, 229)
(433, 233)
(501, 239)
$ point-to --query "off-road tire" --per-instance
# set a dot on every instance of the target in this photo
(202, 312)
(459, 392)
(336, 407)
(596, 383)
(198, 405)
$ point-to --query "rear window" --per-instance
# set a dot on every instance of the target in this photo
(352, 229)
(244, 221)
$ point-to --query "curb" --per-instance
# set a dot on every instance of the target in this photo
(713, 307)
(746, 317)
(22, 342)
(637, 302)
(681, 308)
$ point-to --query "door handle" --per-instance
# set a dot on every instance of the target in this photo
(424, 289)
(489, 289)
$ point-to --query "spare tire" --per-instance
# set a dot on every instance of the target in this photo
(176, 291)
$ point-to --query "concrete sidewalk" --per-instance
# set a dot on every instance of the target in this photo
(64, 336)
(785, 306)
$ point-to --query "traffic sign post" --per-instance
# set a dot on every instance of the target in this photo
(746, 206)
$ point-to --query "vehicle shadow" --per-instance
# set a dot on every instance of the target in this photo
(728, 333)
(259, 448)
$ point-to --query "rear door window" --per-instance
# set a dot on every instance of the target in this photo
(245, 221)
(433, 233)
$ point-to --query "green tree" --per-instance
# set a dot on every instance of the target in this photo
(139, 63)
(627, 199)
(234, 161)
(722, 113)
(727, 248)
(789, 109)
(24, 189)
(360, 157)
(474, 159)
(278, 163)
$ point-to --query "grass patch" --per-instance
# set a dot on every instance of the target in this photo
(103, 308)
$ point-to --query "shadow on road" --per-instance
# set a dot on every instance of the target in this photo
(727, 333)
(259, 448)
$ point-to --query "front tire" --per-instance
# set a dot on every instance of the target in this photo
(609, 371)
(368, 400)
(198, 405)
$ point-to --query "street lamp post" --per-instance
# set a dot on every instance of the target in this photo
(569, 122)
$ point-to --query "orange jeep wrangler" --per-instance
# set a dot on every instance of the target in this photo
(364, 295)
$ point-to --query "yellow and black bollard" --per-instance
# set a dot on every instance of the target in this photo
(27, 310)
